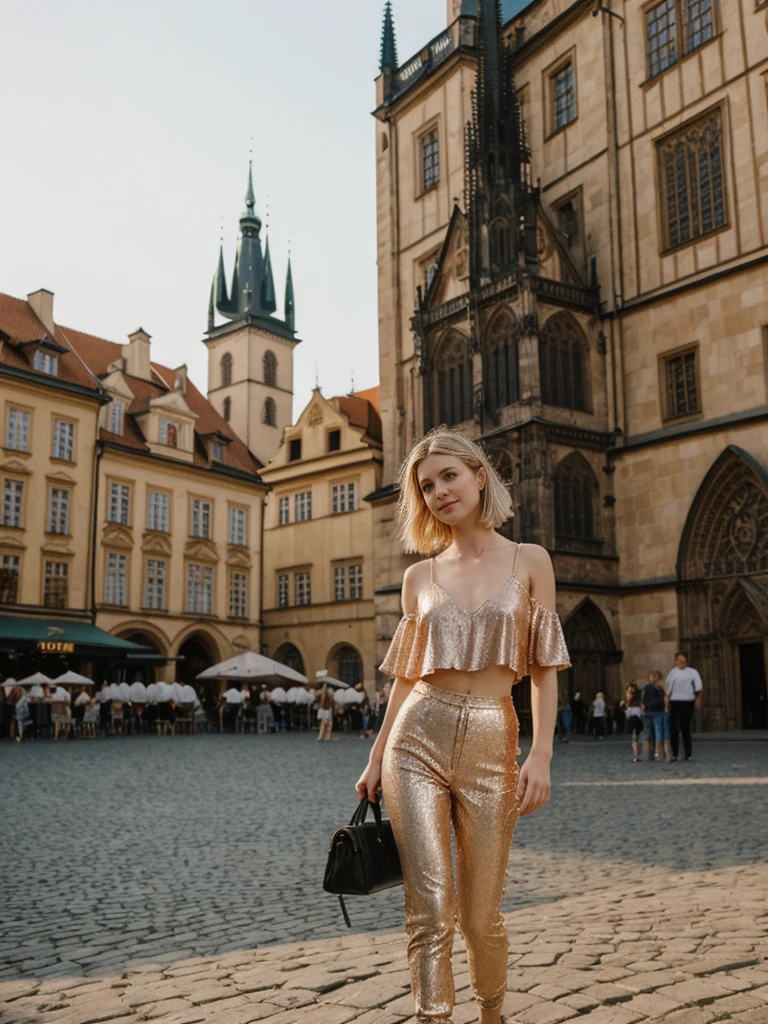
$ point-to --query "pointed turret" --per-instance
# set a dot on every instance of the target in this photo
(388, 56)
(268, 303)
(290, 305)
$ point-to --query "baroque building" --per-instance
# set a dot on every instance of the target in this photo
(572, 269)
(318, 539)
(131, 529)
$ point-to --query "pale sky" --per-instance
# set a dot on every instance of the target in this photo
(126, 133)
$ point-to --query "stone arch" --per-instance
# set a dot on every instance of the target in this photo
(269, 412)
(726, 530)
(593, 652)
(346, 663)
(576, 493)
(451, 379)
(722, 571)
(501, 378)
(290, 655)
(149, 635)
(563, 363)
(269, 363)
(197, 649)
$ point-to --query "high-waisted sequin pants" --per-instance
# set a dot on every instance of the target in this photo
(451, 758)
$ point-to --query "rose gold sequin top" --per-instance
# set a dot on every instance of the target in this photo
(509, 628)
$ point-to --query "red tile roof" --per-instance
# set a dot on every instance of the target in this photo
(88, 357)
(361, 412)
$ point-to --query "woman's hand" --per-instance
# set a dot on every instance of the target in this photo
(369, 781)
(533, 787)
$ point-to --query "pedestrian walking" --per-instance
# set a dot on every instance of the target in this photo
(683, 686)
(446, 753)
(22, 711)
(652, 700)
(325, 714)
(564, 718)
(633, 711)
(598, 715)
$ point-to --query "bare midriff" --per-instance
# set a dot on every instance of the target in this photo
(494, 681)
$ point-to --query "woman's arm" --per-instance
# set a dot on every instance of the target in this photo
(368, 782)
(534, 786)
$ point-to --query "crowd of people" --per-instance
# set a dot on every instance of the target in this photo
(654, 716)
(41, 712)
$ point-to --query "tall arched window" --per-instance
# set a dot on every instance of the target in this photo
(288, 654)
(498, 237)
(270, 368)
(227, 409)
(226, 369)
(576, 502)
(563, 363)
(501, 380)
(350, 666)
(269, 412)
(453, 379)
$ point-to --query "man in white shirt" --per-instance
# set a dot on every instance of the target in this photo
(683, 687)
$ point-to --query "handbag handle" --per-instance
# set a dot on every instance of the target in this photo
(361, 811)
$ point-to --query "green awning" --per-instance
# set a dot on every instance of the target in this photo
(62, 636)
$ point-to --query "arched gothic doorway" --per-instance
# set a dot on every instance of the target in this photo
(290, 655)
(594, 655)
(140, 673)
(723, 590)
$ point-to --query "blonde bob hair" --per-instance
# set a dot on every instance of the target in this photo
(420, 531)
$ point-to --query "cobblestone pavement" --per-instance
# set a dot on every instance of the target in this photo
(177, 879)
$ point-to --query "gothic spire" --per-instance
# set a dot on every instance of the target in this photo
(290, 305)
(268, 303)
(388, 57)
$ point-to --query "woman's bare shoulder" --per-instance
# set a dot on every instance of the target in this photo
(415, 579)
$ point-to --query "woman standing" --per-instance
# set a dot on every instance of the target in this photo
(478, 616)
(598, 715)
(325, 714)
(633, 710)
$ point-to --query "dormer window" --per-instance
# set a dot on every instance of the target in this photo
(115, 416)
(46, 362)
(218, 451)
(294, 449)
(170, 434)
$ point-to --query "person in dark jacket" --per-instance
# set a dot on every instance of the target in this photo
(653, 717)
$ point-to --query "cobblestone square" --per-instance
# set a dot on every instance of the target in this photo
(178, 879)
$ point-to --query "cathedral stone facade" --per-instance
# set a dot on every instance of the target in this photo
(572, 269)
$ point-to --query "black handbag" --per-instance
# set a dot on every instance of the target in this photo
(362, 857)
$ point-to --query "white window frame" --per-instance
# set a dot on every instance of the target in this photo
(302, 507)
(116, 416)
(57, 517)
(284, 510)
(56, 571)
(158, 511)
(46, 362)
(238, 526)
(154, 586)
(355, 581)
(12, 563)
(13, 502)
(302, 583)
(119, 508)
(17, 430)
(63, 440)
(116, 579)
(343, 498)
(238, 595)
(339, 583)
(199, 589)
(164, 425)
(283, 590)
(201, 518)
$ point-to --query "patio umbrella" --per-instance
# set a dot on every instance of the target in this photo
(60, 695)
(113, 691)
(83, 698)
(163, 692)
(188, 694)
(176, 692)
(72, 679)
(138, 692)
(293, 695)
(330, 681)
(36, 690)
(278, 695)
(233, 696)
(125, 692)
(250, 665)
(152, 692)
(34, 680)
(352, 696)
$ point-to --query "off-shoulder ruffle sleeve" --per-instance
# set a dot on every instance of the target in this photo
(546, 642)
(405, 653)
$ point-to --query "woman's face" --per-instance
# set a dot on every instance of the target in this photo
(450, 488)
